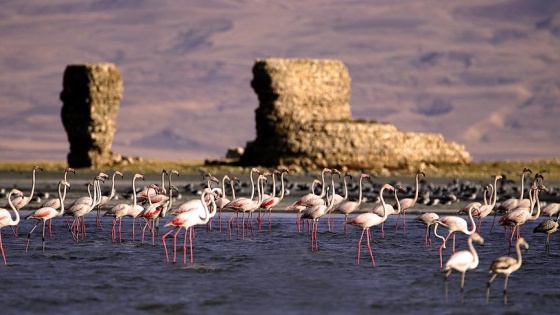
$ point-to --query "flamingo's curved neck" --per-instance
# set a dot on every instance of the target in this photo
(323, 190)
(16, 221)
(473, 227)
(32, 184)
(495, 193)
(523, 186)
(61, 197)
(134, 191)
(398, 210)
(518, 251)
(282, 186)
(224, 185)
(416, 185)
(252, 186)
(536, 200)
(385, 212)
(473, 252)
(360, 191)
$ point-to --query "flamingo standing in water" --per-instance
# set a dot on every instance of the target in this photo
(338, 198)
(22, 201)
(454, 224)
(346, 207)
(407, 203)
(309, 199)
(464, 260)
(121, 210)
(518, 217)
(270, 202)
(316, 212)
(79, 210)
(369, 219)
(484, 210)
(506, 265)
(512, 203)
(47, 213)
(6, 217)
(104, 199)
(242, 204)
(222, 199)
(428, 219)
(381, 209)
(188, 220)
(548, 227)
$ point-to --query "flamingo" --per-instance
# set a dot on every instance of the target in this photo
(222, 199)
(407, 203)
(428, 219)
(270, 202)
(338, 198)
(518, 217)
(242, 204)
(47, 213)
(79, 210)
(22, 201)
(464, 260)
(511, 203)
(55, 202)
(309, 199)
(548, 227)
(506, 265)
(151, 212)
(380, 209)
(167, 203)
(188, 220)
(484, 210)
(550, 210)
(6, 217)
(135, 209)
(454, 224)
(104, 199)
(369, 219)
(346, 207)
(121, 210)
(314, 213)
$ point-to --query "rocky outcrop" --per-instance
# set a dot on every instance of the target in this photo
(304, 120)
(91, 97)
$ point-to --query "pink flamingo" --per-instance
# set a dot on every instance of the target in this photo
(380, 209)
(346, 207)
(512, 203)
(79, 210)
(121, 210)
(188, 220)
(518, 217)
(428, 219)
(506, 265)
(464, 260)
(22, 201)
(270, 202)
(454, 224)
(338, 198)
(551, 210)
(222, 199)
(103, 199)
(309, 199)
(153, 211)
(135, 209)
(484, 210)
(407, 203)
(367, 220)
(316, 212)
(6, 217)
(55, 202)
(242, 204)
(47, 213)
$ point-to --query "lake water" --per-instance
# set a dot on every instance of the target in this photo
(272, 271)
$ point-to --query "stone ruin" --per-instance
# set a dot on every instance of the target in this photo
(91, 97)
(304, 121)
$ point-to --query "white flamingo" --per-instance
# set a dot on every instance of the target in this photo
(21, 200)
(121, 210)
(6, 217)
(188, 220)
(104, 199)
(428, 218)
(381, 209)
(45, 214)
(407, 203)
(454, 224)
(348, 206)
(367, 220)
(464, 260)
(270, 202)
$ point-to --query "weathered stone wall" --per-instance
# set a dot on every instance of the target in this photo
(91, 97)
(304, 120)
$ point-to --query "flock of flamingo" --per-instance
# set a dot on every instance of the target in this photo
(156, 201)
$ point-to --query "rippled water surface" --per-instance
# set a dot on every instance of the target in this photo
(272, 271)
